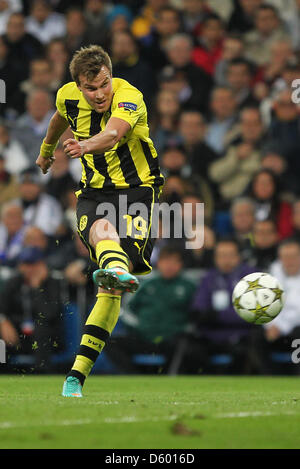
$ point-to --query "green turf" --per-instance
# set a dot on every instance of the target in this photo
(151, 412)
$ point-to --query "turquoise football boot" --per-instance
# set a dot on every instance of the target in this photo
(115, 279)
(72, 387)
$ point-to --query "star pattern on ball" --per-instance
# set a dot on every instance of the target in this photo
(236, 303)
(259, 310)
(253, 285)
(278, 293)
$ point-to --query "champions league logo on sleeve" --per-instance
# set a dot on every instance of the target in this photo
(128, 106)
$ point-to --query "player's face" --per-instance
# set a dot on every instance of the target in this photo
(98, 92)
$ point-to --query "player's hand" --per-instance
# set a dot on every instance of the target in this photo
(44, 163)
(73, 148)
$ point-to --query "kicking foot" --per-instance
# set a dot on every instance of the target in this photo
(72, 387)
(115, 279)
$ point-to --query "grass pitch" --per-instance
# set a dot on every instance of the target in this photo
(151, 412)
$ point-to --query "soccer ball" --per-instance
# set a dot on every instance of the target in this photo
(258, 298)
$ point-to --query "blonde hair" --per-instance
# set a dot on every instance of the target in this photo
(88, 61)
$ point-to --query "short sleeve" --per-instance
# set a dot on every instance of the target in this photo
(60, 104)
(128, 106)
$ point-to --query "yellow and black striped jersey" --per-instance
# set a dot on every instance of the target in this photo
(133, 160)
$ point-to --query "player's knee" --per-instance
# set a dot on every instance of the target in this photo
(102, 230)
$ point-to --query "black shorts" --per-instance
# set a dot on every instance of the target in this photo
(131, 212)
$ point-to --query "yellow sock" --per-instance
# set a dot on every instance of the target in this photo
(97, 330)
(110, 254)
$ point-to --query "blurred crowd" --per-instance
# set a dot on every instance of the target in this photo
(218, 78)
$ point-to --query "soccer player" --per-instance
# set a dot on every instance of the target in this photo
(108, 118)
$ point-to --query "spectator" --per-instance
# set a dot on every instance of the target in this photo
(277, 336)
(274, 159)
(119, 19)
(179, 54)
(158, 324)
(242, 212)
(284, 128)
(223, 108)
(242, 19)
(40, 209)
(76, 30)
(11, 233)
(270, 203)
(281, 55)
(8, 7)
(268, 29)
(95, 13)
(201, 196)
(35, 237)
(233, 48)
(128, 64)
(287, 270)
(22, 46)
(60, 255)
(235, 170)
(167, 24)
(265, 240)
(192, 128)
(197, 211)
(163, 124)
(292, 20)
(40, 78)
(12, 152)
(239, 78)
(31, 127)
(177, 82)
(31, 310)
(209, 51)
(143, 24)
(269, 95)
(174, 189)
(218, 324)
(8, 184)
(58, 58)
(43, 23)
(174, 162)
(194, 13)
(201, 257)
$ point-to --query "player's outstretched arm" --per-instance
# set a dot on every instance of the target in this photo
(57, 127)
(115, 130)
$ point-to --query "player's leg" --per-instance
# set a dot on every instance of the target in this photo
(103, 318)
(114, 265)
(96, 332)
